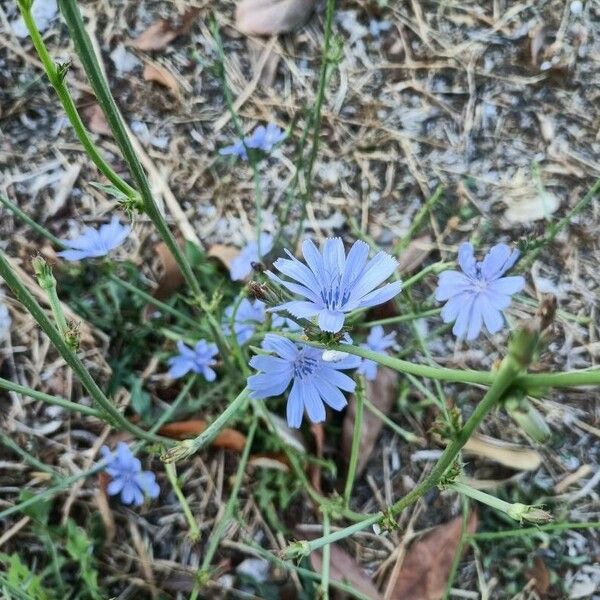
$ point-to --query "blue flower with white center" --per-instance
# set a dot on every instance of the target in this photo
(479, 294)
(93, 243)
(128, 479)
(247, 317)
(262, 138)
(241, 265)
(335, 284)
(377, 341)
(314, 381)
(198, 360)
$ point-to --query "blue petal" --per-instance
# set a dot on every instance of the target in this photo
(330, 320)
(379, 268)
(240, 268)
(115, 486)
(180, 365)
(146, 480)
(475, 319)
(312, 402)
(295, 288)
(387, 292)
(209, 374)
(453, 306)
(497, 261)
(355, 263)
(266, 385)
(281, 346)
(451, 283)
(334, 256)
(340, 380)
(270, 364)
(330, 393)
(462, 321)
(466, 260)
(295, 407)
(72, 255)
(493, 319)
(507, 285)
(315, 262)
(128, 493)
(294, 269)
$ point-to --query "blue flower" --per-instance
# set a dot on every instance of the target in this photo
(377, 341)
(480, 293)
(128, 479)
(96, 242)
(199, 360)
(262, 138)
(314, 381)
(241, 265)
(335, 284)
(247, 317)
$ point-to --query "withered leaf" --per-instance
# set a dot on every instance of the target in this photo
(95, 119)
(171, 278)
(381, 392)
(270, 17)
(162, 32)
(415, 254)
(229, 439)
(162, 76)
(510, 455)
(427, 564)
(223, 253)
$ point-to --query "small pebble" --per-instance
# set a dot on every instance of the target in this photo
(576, 7)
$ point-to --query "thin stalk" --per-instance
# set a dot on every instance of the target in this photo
(85, 51)
(434, 268)
(56, 74)
(462, 542)
(188, 447)
(25, 297)
(408, 436)
(28, 458)
(418, 219)
(218, 533)
(194, 533)
(489, 536)
(317, 114)
(326, 558)
(5, 384)
(359, 398)
(509, 370)
(404, 318)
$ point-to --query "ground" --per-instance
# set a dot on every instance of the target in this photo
(496, 102)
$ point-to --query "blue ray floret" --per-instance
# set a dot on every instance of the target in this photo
(127, 477)
(247, 317)
(314, 381)
(479, 295)
(262, 138)
(241, 265)
(335, 284)
(93, 243)
(199, 360)
(377, 341)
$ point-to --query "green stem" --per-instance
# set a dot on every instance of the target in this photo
(194, 533)
(56, 75)
(24, 296)
(5, 384)
(408, 436)
(403, 318)
(434, 268)
(509, 370)
(28, 458)
(499, 535)
(85, 51)
(326, 558)
(418, 220)
(188, 447)
(359, 397)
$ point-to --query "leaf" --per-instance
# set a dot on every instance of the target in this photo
(223, 253)
(95, 119)
(415, 254)
(270, 17)
(271, 460)
(531, 208)
(510, 455)
(229, 439)
(344, 569)
(162, 76)
(381, 392)
(20, 577)
(171, 278)
(427, 564)
(162, 32)
(539, 573)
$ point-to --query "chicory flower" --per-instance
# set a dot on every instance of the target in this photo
(479, 295)
(199, 360)
(377, 341)
(241, 265)
(93, 243)
(262, 138)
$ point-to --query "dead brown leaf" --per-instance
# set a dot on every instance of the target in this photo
(415, 254)
(271, 17)
(229, 439)
(427, 564)
(277, 461)
(539, 573)
(162, 76)
(171, 278)
(510, 455)
(381, 392)
(95, 119)
(315, 468)
(224, 254)
(162, 32)
(344, 569)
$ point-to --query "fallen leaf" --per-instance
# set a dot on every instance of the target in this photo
(315, 468)
(278, 462)
(229, 439)
(224, 254)
(171, 278)
(162, 76)
(427, 563)
(510, 455)
(95, 119)
(270, 17)
(531, 208)
(344, 569)
(161, 33)
(415, 254)
(539, 573)
(381, 392)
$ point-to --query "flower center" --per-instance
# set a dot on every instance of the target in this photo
(333, 296)
(305, 366)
